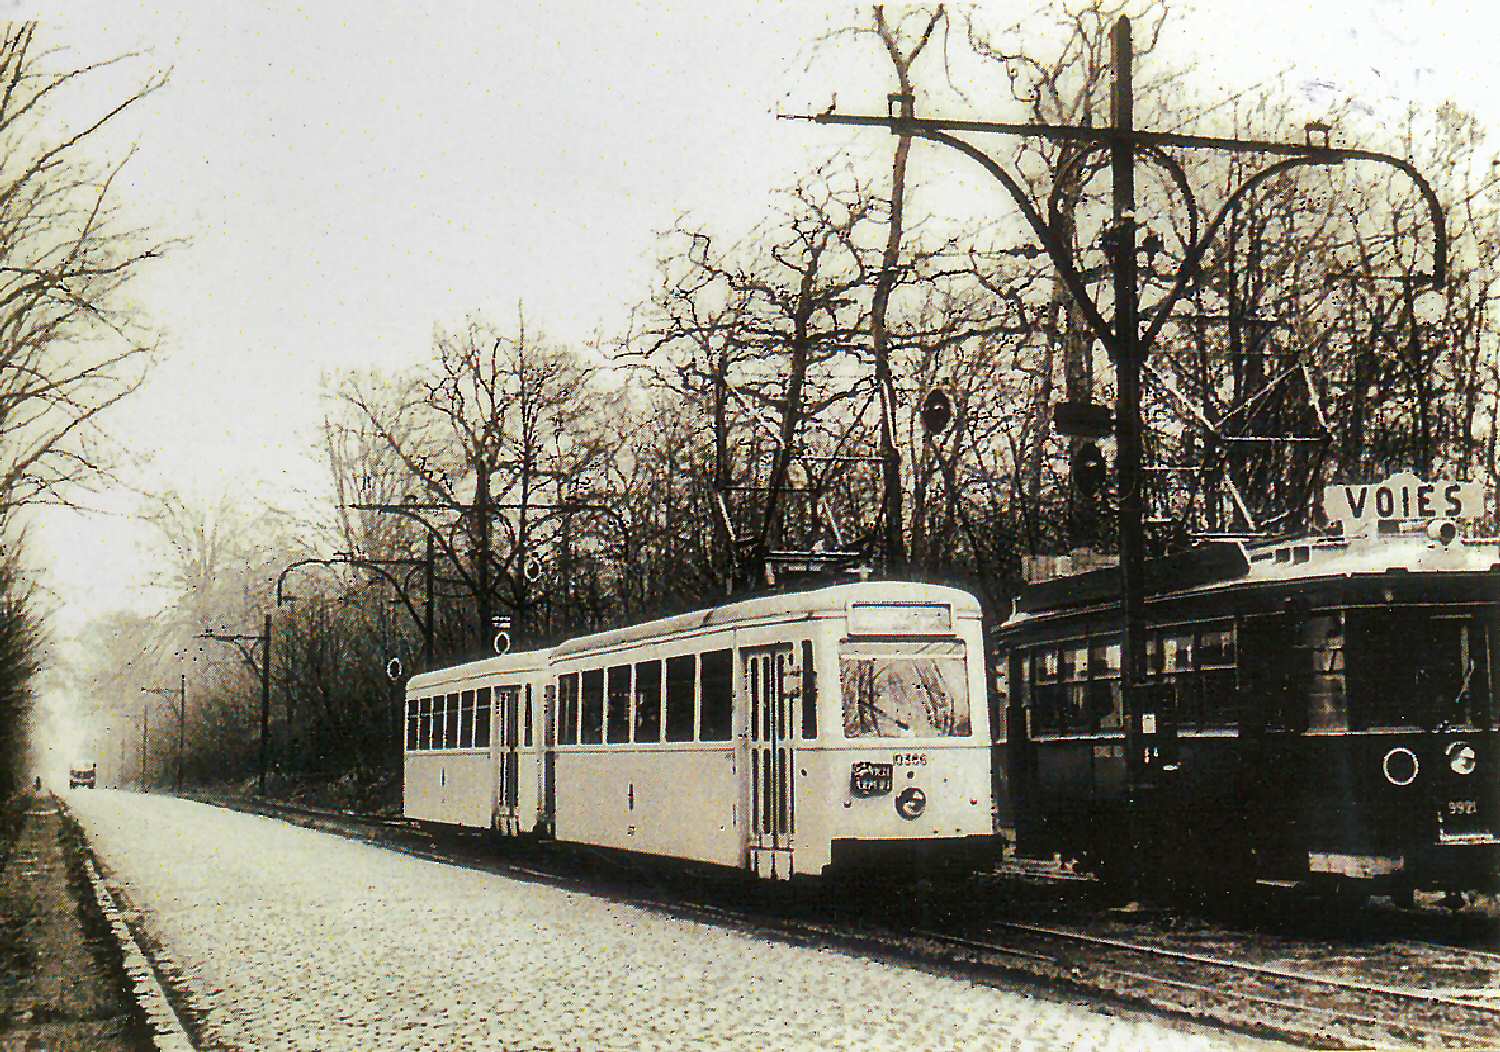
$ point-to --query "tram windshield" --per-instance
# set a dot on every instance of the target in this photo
(1424, 667)
(909, 689)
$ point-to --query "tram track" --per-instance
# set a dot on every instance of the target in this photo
(1245, 996)
(1350, 1010)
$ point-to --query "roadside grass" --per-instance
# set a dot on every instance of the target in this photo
(62, 980)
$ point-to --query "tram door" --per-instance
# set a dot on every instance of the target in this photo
(547, 820)
(771, 805)
(507, 712)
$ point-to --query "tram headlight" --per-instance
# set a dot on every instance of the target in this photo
(910, 803)
(1462, 759)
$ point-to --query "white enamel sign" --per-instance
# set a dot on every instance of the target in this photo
(1403, 496)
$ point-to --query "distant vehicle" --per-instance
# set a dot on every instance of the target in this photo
(799, 733)
(1317, 710)
(83, 776)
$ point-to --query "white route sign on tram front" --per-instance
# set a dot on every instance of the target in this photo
(1403, 496)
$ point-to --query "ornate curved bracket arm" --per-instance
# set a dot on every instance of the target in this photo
(402, 586)
(1061, 177)
(281, 579)
(1155, 153)
(1199, 249)
(1180, 180)
(1060, 255)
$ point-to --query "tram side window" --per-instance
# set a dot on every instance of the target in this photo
(809, 692)
(1216, 664)
(716, 720)
(466, 720)
(591, 730)
(1195, 668)
(1323, 639)
(617, 704)
(1073, 670)
(526, 719)
(648, 701)
(1170, 657)
(451, 737)
(424, 723)
(682, 675)
(413, 721)
(439, 722)
(1072, 689)
(567, 709)
(1046, 692)
(1105, 709)
(482, 718)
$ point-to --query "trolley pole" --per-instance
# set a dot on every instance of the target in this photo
(1127, 344)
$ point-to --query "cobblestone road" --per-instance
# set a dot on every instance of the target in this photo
(287, 938)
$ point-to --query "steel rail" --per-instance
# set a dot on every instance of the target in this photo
(1243, 966)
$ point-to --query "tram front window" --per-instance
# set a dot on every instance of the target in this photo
(904, 690)
(1422, 668)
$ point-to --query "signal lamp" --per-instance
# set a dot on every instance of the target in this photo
(1089, 469)
(937, 411)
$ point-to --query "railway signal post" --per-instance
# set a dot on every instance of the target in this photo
(1127, 344)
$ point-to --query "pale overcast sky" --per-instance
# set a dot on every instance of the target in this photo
(351, 174)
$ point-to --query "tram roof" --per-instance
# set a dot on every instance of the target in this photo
(1225, 563)
(832, 599)
(522, 661)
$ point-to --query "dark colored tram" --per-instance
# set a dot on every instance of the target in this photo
(1317, 710)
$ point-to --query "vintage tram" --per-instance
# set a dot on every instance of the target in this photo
(1314, 710)
(787, 734)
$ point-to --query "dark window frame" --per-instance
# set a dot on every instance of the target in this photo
(679, 677)
(591, 706)
(617, 698)
(716, 696)
(646, 728)
(567, 708)
(483, 717)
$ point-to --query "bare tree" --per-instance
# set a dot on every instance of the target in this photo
(70, 347)
(484, 446)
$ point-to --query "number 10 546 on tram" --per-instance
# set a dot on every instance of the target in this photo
(789, 734)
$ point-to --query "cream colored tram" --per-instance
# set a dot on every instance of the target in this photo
(784, 734)
(473, 744)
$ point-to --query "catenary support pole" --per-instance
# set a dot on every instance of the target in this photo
(181, 725)
(265, 704)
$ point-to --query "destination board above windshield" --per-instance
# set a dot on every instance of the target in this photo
(900, 618)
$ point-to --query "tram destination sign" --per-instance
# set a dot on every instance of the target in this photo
(871, 779)
(1402, 496)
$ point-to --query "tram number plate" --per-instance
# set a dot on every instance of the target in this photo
(1458, 818)
(871, 779)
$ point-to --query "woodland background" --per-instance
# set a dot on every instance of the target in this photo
(765, 398)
